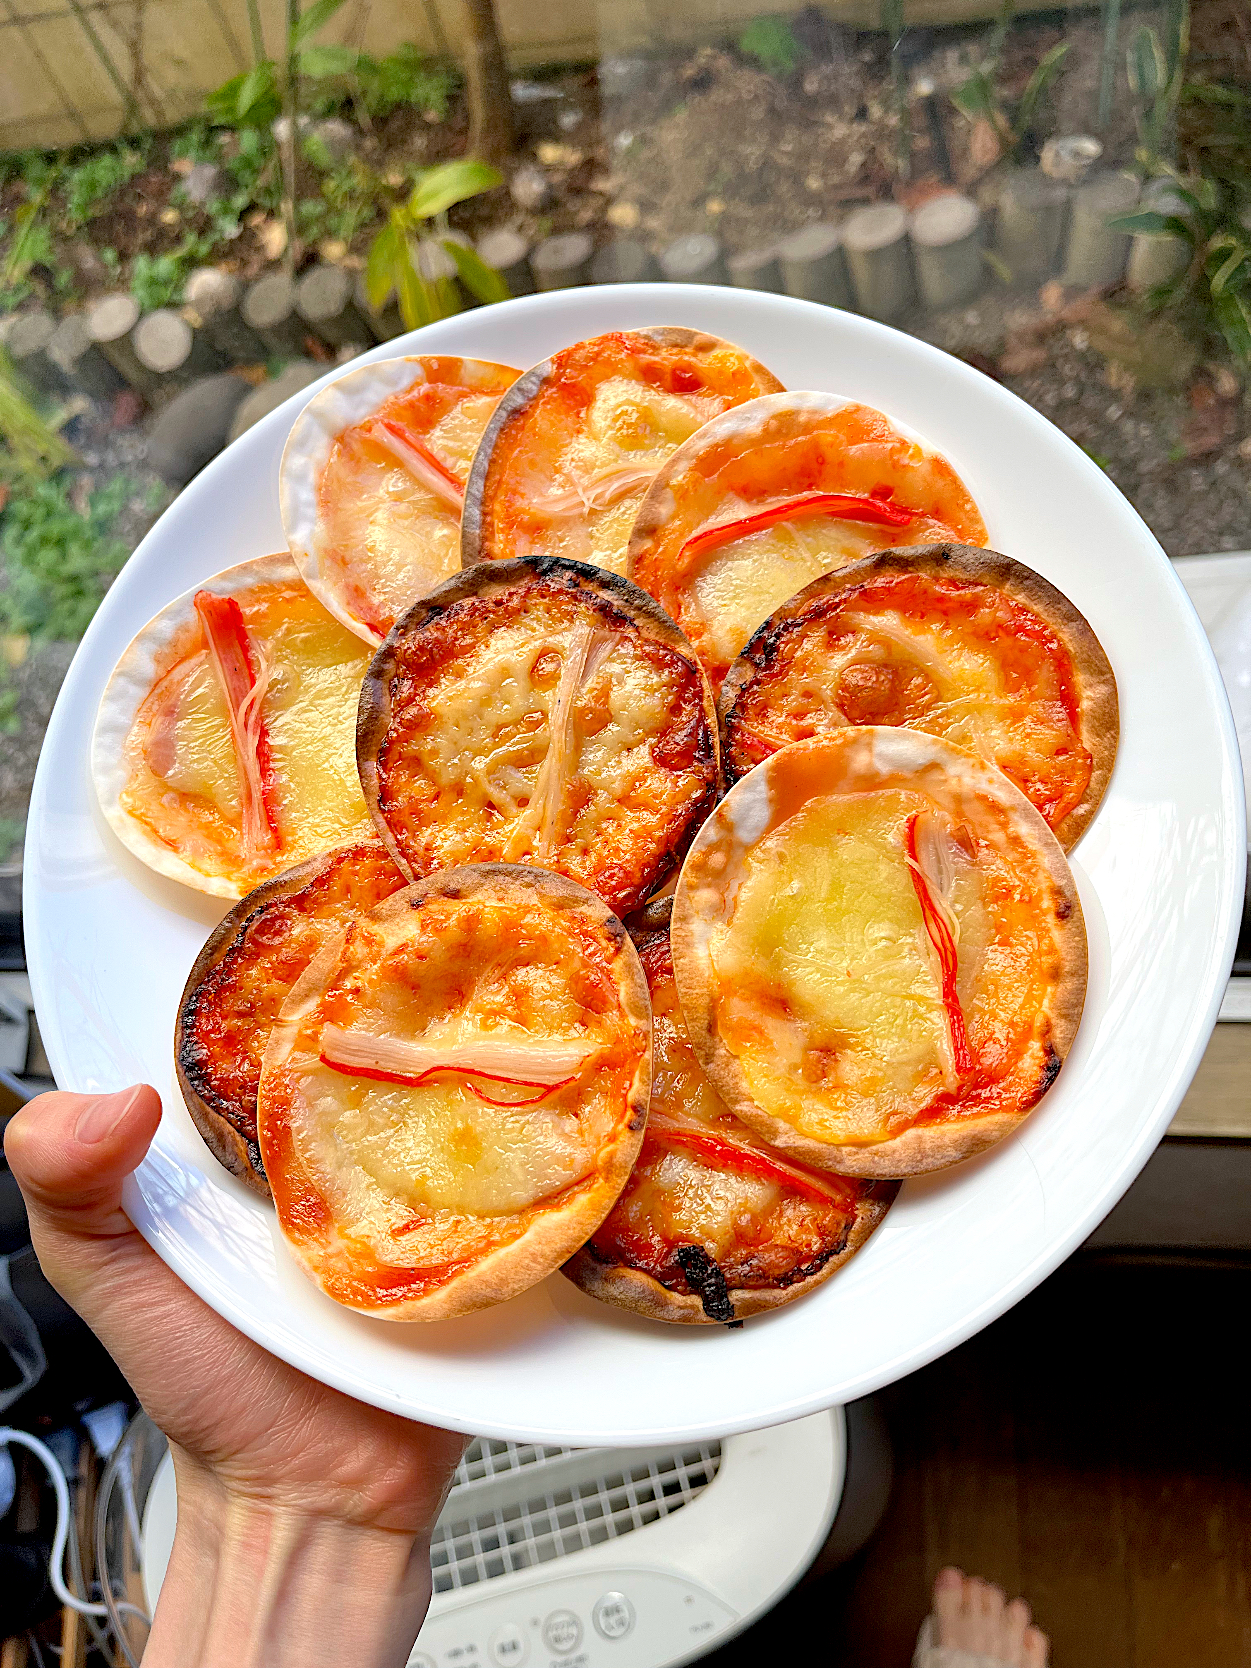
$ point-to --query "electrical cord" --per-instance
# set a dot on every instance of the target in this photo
(56, 1562)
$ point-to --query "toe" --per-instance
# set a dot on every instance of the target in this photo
(949, 1586)
(1016, 1618)
(1035, 1648)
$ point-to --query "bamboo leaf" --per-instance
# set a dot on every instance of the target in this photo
(1219, 280)
(257, 97)
(1234, 318)
(450, 182)
(482, 281)
(315, 18)
(382, 266)
(1037, 85)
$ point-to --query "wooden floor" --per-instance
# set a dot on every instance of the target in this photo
(1092, 1450)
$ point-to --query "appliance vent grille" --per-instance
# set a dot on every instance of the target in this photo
(486, 1459)
(555, 1522)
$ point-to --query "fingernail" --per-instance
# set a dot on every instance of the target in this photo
(98, 1119)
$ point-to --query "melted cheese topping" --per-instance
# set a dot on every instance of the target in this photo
(473, 695)
(962, 661)
(736, 468)
(183, 781)
(385, 1187)
(826, 989)
(759, 1233)
(609, 409)
(383, 538)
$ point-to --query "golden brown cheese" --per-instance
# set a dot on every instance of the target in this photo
(540, 713)
(418, 1193)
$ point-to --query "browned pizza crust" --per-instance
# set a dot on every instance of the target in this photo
(618, 601)
(1099, 709)
(924, 1146)
(523, 393)
(228, 1126)
(568, 1219)
(630, 1288)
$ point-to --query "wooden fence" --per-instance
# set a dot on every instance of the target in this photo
(78, 70)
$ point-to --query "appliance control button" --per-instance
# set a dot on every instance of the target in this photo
(613, 1616)
(508, 1646)
(562, 1632)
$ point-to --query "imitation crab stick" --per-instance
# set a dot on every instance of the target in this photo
(941, 928)
(730, 1155)
(846, 506)
(243, 678)
(420, 461)
(521, 1064)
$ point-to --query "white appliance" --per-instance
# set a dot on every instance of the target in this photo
(606, 1557)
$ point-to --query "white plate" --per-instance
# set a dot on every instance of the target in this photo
(1160, 873)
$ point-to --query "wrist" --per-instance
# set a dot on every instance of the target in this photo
(256, 1582)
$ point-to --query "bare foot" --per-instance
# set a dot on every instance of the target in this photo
(972, 1615)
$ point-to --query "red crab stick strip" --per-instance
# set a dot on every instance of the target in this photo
(846, 506)
(935, 915)
(520, 1065)
(420, 461)
(236, 661)
(729, 1155)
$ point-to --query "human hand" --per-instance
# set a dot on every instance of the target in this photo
(304, 1517)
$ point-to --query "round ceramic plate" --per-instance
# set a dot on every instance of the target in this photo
(1159, 870)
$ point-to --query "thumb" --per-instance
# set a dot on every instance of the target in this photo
(69, 1155)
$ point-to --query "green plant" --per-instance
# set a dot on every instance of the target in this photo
(157, 280)
(1156, 75)
(11, 828)
(58, 562)
(394, 265)
(1217, 282)
(87, 184)
(978, 95)
(771, 42)
(405, 77)
(256, 97)
(32, 447)
(344, 205)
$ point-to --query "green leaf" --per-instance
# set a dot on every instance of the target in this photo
(316, 17)
(1219, 279)
(1037, 85)
(1148, 222)
(482, 281)
(327, 60)
(450, 182)
(1234, 318)
(975, 97)
(412, 290)
(382, 265)
(257, 92)
(1145, 65)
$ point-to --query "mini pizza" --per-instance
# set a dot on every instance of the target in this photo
(958, 642)
(543, 712)
(242, 977)
(573, 446)
(879, 951)
(372, 482)
(456, 1092)
(766, 498)
(714, 1225)
(223, 750)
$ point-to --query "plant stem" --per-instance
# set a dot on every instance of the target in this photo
(1107, 70)
(291, 109)
(486, 76)
(258, 34)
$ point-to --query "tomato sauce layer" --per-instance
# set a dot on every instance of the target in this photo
(954, 658)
